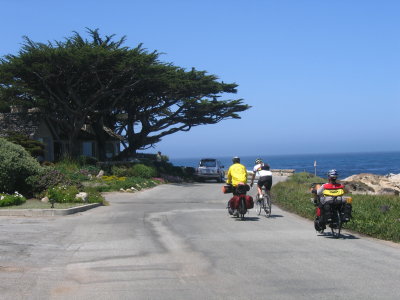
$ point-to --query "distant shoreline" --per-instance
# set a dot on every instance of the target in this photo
(379, 163)
(290, 155)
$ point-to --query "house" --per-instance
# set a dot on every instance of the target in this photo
(32, 123)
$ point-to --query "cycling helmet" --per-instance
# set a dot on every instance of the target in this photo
(333, 174)
(236, 159)
(258, 161)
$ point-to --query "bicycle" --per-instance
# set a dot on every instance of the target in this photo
(263, 203)
(240, 202)
(339, 211)
(334, 223)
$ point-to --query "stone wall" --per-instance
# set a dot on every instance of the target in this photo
(275, 172)
(22, 122)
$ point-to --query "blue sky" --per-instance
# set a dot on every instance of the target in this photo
(322, 76)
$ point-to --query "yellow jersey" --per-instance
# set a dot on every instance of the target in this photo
(237, 173)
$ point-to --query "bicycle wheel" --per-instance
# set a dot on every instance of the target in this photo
(267, 205)
(336, 225)
(242, 207)
(257, 205)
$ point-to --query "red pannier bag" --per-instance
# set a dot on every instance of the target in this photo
(249, 202)
(234, 202)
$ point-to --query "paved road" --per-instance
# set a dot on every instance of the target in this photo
(178, 242)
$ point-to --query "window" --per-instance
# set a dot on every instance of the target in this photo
(87, 148)
(110, 150)
(208, 163)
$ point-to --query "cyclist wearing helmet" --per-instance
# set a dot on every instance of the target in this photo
(262, 170)
(328, 192)
(237, 173)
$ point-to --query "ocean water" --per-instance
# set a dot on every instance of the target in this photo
(380, 163)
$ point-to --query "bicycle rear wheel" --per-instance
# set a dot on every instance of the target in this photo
(267, 205)
(336, 225)
(242, 208)
(257, 205)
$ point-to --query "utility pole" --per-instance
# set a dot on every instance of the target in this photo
(315, 168)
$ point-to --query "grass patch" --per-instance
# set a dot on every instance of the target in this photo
(373, 215)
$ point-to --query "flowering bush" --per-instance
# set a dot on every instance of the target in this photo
(13, 199)
(158, 179)
(112, 178)
(48, 177)
(63, 194)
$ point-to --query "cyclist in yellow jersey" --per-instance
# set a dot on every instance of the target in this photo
(237, 173)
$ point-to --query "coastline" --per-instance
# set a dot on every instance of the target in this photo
(347, 164)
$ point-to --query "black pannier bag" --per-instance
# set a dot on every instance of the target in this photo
(347, 211)
(242, 188)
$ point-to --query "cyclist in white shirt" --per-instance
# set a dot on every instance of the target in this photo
(262, 170)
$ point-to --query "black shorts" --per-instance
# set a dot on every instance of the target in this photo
(265, 181)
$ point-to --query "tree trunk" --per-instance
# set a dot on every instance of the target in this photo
(74, 144)
(130, 132)
(101, 138)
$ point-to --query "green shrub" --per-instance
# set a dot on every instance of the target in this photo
(120, 171)
(89, 169)
(94, 196)
(14, 199)
(87, 160)
(74, 172)
(16, 165)
(48, 177)
(143, 171)
(35, 148)
(63, 194)
(137, 170)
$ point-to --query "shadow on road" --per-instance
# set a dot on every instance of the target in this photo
(344, 236)
(247, 219)
(274, 216)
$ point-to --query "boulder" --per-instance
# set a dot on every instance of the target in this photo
(373, 184)
(45, 199)
(357, 187)
(83, 196)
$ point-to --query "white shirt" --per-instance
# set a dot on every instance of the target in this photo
(259, 172)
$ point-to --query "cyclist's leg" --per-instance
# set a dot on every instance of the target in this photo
(259, 191)
(260, 184)
(267, 185)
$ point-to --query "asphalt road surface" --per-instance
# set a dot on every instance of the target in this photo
(177, 241)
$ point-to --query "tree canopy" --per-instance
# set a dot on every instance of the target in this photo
(101, 82)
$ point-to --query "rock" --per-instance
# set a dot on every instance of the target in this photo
(373, 184)
(83, 196)
(101, 174)
(45, 199)
(385, 208)
(389, 191)
(357, 187)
